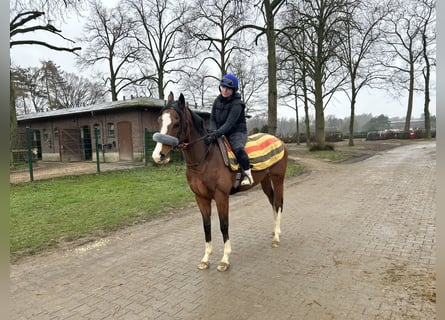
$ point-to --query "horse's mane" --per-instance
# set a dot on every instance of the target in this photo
(198, 122)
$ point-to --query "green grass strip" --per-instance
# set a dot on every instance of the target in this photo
(44, 213)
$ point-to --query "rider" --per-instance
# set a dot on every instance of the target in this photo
(228, 118)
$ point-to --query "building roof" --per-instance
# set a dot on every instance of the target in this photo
(143, 101)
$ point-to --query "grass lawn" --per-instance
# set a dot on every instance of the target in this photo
(44, 213)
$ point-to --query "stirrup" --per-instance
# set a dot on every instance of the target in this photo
(247, 181)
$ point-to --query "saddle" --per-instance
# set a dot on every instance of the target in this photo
(262, 149)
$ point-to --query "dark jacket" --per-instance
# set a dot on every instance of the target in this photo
(228, 115)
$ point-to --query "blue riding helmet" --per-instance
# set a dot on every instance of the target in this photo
(229, 81)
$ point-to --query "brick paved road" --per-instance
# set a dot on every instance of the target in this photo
(358, 242)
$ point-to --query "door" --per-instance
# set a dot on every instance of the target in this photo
(87, 148)
(125, 140)
(70, 145)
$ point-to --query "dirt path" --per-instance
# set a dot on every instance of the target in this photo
(358, 242)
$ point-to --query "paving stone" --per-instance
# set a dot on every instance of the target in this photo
(358, 243)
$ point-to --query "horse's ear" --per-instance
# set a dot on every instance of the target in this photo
(170, 97)
(182, 100)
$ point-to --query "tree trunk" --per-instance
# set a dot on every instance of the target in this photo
(319, 112)
(306, 116)
(351, 121)
(410, 99)
(272, 69)
(297, 118)
(161, 85)
(426, 107)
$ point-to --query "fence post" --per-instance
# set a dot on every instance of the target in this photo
(96, 135)
(29, 147)
(147, 138)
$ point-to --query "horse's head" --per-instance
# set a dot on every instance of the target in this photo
(172, 129)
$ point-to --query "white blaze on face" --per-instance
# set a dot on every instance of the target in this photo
(156, 155)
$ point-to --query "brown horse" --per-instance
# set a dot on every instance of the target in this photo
(208, 176)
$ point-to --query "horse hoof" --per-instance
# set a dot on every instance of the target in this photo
(275, 244)
(223, 266)
(203, 265)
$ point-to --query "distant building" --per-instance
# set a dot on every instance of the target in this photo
(414, 124)
(69, 134)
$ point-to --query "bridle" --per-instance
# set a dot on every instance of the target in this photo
(183, 129)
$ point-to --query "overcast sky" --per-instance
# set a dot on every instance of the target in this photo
(373, 101)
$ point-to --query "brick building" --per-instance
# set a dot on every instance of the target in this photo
(69, 134)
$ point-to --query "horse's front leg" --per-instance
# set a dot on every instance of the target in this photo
(222, 204)
(205, 208)
(277, 229)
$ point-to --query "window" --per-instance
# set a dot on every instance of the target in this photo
(110, 129)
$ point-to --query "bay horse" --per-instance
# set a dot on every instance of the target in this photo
(209, 177)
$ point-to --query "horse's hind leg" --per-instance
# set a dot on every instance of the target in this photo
(273, 188)
(205, 208)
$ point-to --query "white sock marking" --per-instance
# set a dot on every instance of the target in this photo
(207, 252)
(277, 225)
(227, 252)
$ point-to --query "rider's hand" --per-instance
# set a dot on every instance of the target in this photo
(210, 138)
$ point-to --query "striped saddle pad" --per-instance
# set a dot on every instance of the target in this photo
(263, 150)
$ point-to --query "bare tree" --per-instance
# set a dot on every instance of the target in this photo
(109, 39)
(51, 78)
(44, 88)
(78, 91)
(358, 50)
(216, 27)
(290, 78)
(293, 68)
(428, 16)
(221, 22)
(249, 70)
(404, 38)
(30, 96)
(159, 27)
(269, 10)
(198, 87)
(26, 18)
(319, 29)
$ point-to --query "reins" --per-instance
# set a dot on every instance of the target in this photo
(184, 145)
(197, 163)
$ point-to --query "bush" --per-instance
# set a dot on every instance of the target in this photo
(317, 147)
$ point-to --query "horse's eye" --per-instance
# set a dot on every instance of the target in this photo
(176, 126)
